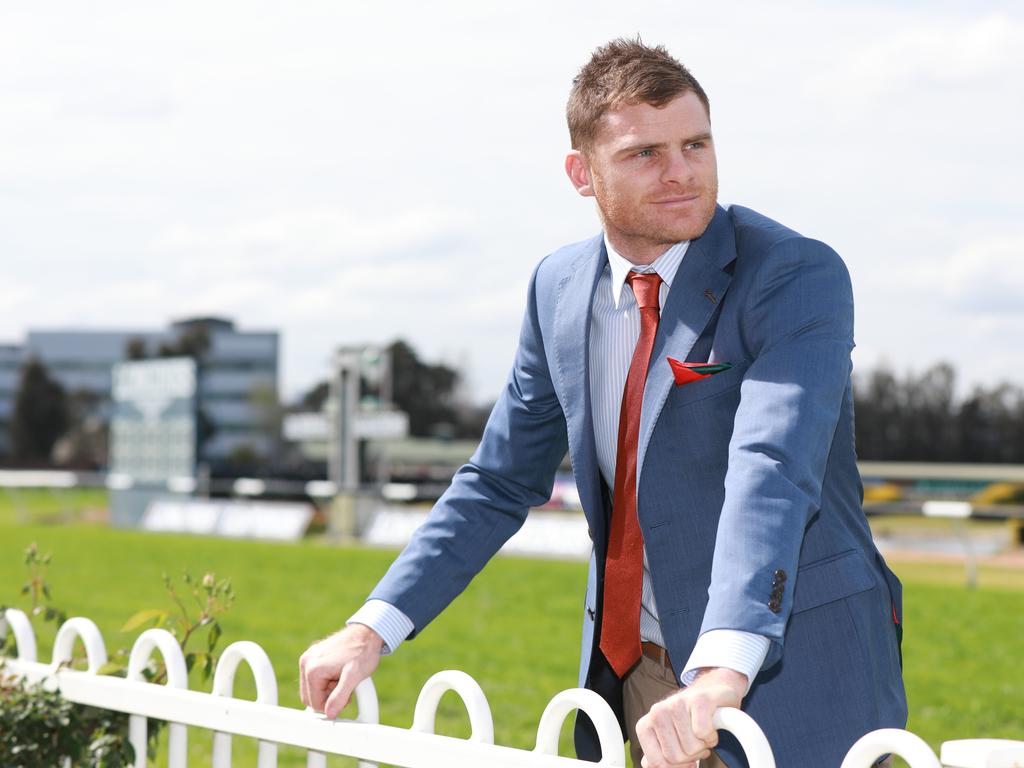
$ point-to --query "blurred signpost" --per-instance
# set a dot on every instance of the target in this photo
(153, 435)
(959, 512)
(359, 407)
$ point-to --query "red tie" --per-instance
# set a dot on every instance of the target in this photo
(623, 575)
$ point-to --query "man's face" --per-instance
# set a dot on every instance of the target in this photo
(653, 173)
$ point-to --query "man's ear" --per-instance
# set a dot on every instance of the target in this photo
(579, 172)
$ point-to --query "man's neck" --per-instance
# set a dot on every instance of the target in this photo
(637, 251)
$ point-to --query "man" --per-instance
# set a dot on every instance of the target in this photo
(695, 362)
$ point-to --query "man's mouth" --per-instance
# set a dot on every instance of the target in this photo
(676, 200)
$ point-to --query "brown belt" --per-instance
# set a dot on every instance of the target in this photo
(656, 652)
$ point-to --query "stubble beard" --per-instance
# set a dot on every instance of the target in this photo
(628, 219)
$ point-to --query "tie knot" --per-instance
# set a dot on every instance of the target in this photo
(645, 287)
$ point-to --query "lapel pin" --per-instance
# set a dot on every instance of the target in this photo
(710, 296)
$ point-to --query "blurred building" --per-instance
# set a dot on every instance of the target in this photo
(10, 366)
(237, 382)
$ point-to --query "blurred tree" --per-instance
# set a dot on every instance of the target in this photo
(314, 399)
(40, 415)
(135, 348)
(919, 418)
(85, 444)
(193, 341)
(423, 391)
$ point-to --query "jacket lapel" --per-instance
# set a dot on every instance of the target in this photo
(572, 356)
(699, 285)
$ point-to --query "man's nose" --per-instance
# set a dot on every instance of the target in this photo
(677, 169)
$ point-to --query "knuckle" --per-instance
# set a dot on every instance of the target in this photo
(643, 726)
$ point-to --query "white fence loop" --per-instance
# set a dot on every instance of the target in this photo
(24, 636)
(748, 733)
(167, 644)
(871, 746)
(64, 644)
(259, 663)
(613, 753)
(367, 711)
(367, 706)
(177, 677)
(266, 693)
(481, 724)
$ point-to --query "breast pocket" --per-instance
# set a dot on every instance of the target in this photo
(726, 381)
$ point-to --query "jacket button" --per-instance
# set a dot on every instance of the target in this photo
(780, 575)
(774, 605)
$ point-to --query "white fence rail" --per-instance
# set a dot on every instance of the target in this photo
(365, 738)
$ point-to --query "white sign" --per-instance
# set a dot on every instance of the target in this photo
(947, 509)
(382, 424)
(278, 521)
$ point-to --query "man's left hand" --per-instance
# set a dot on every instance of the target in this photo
(678, 732)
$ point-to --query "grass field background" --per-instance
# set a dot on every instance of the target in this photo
(516, 629)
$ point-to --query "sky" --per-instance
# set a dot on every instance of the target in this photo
(362, 171)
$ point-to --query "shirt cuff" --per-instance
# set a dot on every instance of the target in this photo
(743, 652)
(386, 620)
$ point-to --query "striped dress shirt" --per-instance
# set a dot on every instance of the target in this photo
(614, 330)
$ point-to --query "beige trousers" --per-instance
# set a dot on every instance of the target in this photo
(644, 686)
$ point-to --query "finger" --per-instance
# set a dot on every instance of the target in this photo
(303, 686)
(339, 698)
(701, 722)
(670, 736)
(678, 743)
(649, 744)
(320, 681)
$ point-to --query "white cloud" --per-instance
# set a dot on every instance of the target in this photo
(915, 53)
(985, 279)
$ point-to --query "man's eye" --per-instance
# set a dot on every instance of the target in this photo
(695, 145)
(645, 153)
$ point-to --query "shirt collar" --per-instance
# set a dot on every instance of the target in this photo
(665, 265)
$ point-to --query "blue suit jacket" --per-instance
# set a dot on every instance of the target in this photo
(742, 475)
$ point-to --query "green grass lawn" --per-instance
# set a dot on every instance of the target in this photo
(516, 629)
(289, 595)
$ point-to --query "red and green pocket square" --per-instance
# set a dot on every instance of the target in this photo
(687, 372)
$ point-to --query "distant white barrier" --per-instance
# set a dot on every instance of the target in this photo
(364, 738)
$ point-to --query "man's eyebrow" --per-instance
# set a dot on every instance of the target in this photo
(640, 146)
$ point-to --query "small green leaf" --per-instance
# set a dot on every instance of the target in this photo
(143, 617)
(111, 668)
(213, 636)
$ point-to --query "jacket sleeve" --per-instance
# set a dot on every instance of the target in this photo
(512, 470)
(799, 330)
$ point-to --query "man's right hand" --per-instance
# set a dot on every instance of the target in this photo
(331, 669)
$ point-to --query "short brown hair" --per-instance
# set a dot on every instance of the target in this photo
(624, 71)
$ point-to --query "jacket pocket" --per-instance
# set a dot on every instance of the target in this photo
(831, 579)
(684, 394)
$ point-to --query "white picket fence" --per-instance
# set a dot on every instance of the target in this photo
(365, 738)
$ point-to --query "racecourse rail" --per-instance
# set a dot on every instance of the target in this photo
(365, 738)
